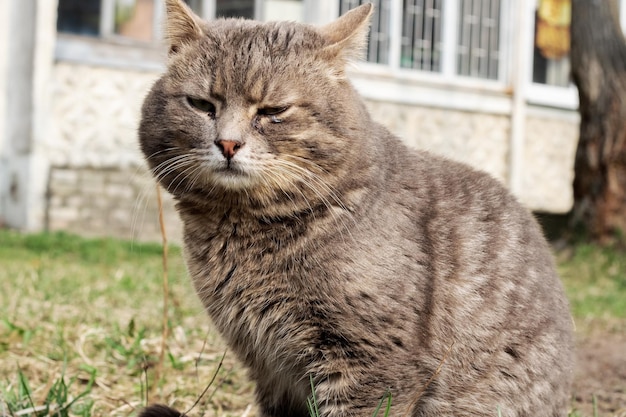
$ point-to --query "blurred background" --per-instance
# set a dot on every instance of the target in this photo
(531, 91)
(483, 81)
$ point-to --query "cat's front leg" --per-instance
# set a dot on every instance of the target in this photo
(276, 398)
(343, 395)
(333, 395)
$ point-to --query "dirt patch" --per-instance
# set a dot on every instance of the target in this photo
(601, 372)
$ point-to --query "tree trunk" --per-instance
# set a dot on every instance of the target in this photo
(598, 57)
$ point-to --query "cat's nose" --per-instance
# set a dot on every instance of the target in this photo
(228, 147)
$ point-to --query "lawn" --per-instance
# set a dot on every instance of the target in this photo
(81, 327)
(81, 316)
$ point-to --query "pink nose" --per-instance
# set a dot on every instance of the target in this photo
(228, 147)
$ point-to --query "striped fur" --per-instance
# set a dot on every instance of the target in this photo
(325, 248)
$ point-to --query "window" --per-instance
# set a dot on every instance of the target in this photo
(138, 20)
(551, 44)
(132, 29)
(79, 16)
(551, 63)
(134, 19)
(235, 8)
(479, 38)
(459, 37)
(421, 35)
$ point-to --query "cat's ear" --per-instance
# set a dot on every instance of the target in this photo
(346, 37)
(182, 26)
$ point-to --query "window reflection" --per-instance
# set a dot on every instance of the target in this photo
(135, 19)
(234, 8)
(551, 64)
(81, 17)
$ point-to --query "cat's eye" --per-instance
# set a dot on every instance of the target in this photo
(272, 113)
(202, 105)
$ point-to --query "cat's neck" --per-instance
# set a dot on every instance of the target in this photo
(284, 219)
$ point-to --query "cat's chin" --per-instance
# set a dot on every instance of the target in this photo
(233, 180)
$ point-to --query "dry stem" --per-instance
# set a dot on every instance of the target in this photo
(165, 330)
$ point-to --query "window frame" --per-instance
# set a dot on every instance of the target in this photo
(448, 73)
(539, 93)
(107, 22)
(109, 49)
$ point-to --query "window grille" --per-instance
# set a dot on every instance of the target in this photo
(478, 38)
(379, 37)
(421, 35)
(474, 39)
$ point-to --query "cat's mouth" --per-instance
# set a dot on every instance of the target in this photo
(232, 175)
(231, 167)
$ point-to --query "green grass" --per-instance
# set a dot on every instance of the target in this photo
(80, 326)
(595, 281)
(18, 399)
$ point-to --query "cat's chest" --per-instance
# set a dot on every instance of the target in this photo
(253, 286)
(237, 265)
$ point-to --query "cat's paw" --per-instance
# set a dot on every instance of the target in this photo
(158, 410)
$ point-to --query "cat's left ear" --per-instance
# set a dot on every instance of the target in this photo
(182, 26)
(346, 37)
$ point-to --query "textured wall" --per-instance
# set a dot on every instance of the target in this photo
(109, 201)
(548, 161)
(477, 139)
(482, 140)
(96, 112)
(99, 184)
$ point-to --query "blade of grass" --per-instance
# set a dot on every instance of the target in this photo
(24, 388)
(312, 401)
(594, 401)
(427, 384)
(380, 404)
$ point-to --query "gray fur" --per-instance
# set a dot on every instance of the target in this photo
(325, 247)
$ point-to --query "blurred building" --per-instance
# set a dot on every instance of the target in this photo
(481, 81)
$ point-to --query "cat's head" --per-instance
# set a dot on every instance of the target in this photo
(256, 109)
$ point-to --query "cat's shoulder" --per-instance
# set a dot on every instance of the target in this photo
(449, 172)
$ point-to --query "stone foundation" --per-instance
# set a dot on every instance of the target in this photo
(109, 202)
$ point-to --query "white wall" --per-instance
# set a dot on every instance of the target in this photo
(26, 60)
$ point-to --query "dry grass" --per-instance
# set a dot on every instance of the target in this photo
(74, 309)
(84, 317)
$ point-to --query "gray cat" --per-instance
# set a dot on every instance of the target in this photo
(324, 248)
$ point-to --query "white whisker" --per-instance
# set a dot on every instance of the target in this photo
(297, 174)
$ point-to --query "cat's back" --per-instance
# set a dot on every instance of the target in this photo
(486, 293)
(466, 226)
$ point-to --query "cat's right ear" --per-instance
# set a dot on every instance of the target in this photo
(347, 36)
(182, 26)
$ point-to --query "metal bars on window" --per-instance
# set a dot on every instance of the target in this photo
(478, 38)
(459, 37)
(421, 35)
